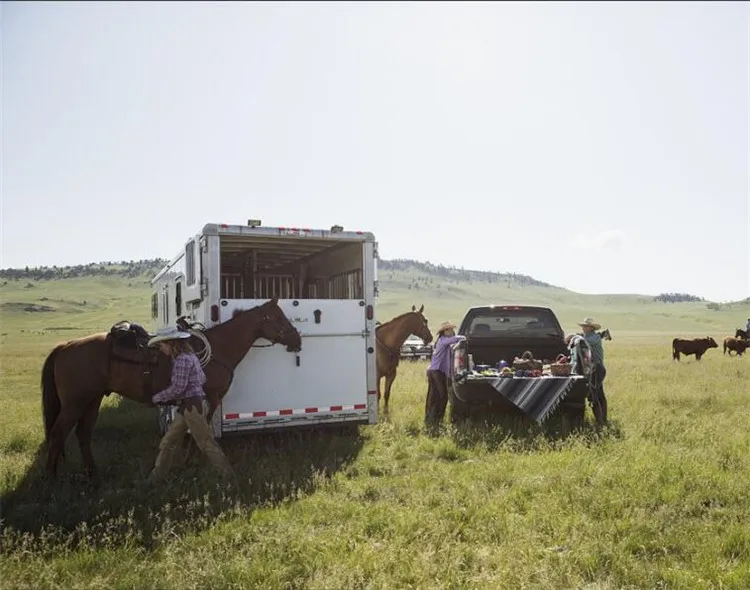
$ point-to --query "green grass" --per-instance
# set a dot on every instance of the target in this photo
(658, 500)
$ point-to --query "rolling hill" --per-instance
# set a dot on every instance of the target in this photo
(95, 295)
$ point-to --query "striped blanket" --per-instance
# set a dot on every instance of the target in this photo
(535, 397)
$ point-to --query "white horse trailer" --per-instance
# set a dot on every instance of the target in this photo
(326, 281)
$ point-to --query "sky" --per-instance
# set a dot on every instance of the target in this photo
(601, 147)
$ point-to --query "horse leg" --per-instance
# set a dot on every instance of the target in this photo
(59, 433)
(84, 431)
(389, 379)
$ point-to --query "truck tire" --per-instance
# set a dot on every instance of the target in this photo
(460, 411)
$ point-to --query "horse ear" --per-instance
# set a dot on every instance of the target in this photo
(421, 309)
(274, 300)
(414, 308)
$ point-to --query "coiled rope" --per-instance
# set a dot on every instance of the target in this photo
(204, 355)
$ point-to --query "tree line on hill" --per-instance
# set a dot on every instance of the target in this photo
(458, 274)
(678, 298)
(149, 267)
(127, 269)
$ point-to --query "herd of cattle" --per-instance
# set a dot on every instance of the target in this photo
(698, 346)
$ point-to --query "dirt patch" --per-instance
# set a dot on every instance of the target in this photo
(30, 307)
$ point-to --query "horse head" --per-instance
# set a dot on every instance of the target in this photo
(418, 324)
(277, 328)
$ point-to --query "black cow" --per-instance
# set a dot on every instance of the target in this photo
(696, 346)
(741, 334)
(737, 345)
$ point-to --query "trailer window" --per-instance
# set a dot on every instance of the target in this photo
(154, 306)
(190, 263)
(291, 269)
(178, 299)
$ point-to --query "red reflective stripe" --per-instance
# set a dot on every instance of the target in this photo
(336, 408)
(286, 412)
(232, 416)
(224, 225)
(360, 406)
(310, 410)
(282, 228)
(259, 414)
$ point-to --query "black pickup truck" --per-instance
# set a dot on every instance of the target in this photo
(497, 333)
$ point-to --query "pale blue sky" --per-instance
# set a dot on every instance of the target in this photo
(599, 147)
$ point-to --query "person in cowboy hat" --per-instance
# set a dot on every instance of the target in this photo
(599, 401)
(186, 392)
(438, 373)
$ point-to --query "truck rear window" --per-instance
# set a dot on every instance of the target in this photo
(501, 322)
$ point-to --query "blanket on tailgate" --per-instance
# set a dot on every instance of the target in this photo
(535, 397)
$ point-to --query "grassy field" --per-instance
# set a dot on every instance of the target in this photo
(658, 500)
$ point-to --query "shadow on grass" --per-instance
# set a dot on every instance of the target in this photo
(43, 516)
(521, 434)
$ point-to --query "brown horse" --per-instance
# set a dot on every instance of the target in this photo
(78, 374)
(390, 337)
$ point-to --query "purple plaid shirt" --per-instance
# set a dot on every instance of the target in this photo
(441, 356)
(187, 380)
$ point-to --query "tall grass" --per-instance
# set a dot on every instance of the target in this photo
(657, 500)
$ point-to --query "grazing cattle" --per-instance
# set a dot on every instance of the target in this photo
(696, 346)
(737, 345)
(742, 334)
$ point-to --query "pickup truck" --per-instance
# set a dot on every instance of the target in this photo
(415, 349)
(496, 333)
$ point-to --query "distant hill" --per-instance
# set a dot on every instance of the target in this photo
(401, 272)
(93, 296)
(459, 275)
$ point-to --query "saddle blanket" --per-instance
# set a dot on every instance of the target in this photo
(536, 397)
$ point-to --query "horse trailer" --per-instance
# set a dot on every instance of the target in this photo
(326, 282)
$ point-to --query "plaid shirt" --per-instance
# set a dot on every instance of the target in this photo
(187, 380)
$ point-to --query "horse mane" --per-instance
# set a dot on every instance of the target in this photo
(398, 317)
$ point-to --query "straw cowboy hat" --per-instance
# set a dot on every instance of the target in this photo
(590, 322)
(446, 326)
(166, 334)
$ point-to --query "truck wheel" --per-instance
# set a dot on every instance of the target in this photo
(460, 411)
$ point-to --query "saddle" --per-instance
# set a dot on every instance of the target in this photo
(129, 335)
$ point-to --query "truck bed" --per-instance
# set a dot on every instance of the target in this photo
(503, 333)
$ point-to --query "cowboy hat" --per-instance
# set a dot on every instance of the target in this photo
(169, 333)
(590, 322)
(446, 326)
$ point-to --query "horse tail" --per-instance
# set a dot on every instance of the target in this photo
(50, 398)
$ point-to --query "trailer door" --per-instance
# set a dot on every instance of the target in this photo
(327, 379)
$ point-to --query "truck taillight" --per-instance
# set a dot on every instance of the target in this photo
(459, 360)
(214, 313)
(370, 312)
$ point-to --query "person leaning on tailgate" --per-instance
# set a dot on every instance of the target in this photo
(599, 401)
(437, 375)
